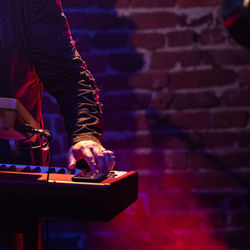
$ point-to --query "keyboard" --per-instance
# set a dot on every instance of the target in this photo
(24, 191)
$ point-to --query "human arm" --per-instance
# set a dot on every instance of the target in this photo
(65, 76)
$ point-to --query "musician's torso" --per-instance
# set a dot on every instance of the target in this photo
(18, 77)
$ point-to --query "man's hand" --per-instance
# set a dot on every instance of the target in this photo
(98, 158)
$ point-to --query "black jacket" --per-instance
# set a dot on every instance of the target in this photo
(36, 49)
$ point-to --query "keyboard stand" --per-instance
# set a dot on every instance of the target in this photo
(21, 233)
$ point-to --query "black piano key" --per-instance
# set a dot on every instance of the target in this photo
(11, 168)
(71, 171)
(52, 170)
(37, 170)
(61, 171)
(3, 167)
(26, 169)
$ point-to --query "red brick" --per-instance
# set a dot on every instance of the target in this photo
(147, 183)
(215, 221)
(225, 57)
(161, 100)
(149, 121)
(189, 21)
(239, 201)
(213, 180)
(82, 43)
(218, 139)
(167, 60)
(203, 78)
(239, 219)
(165, 201)
(96, 3)
(126, 101)
(130, 62)
(189, 120)
(194, 100)
(153, 20)
(99, 21)
(156, 3)
(229, 119)
(180, 38)
(235, 160)
(244, 139)
(244, 77)
(153, 140)
(136, 80)
(175, 181)
(78, 3)
(185, 221)
(125, 229)
(190, 58)
(120, 3)
(140, 206)
(115, 121)
(200, 239)
(212, 36)
(236, 97)
(149, 41)
(156, 160)
(164, 60)
(154, 80)
(110, 40)
(202, 140)
(238, 238)
(113, 3)
(158, 234)
(197, 160)
(161, 233)
(198, 3)
(136, 121)
(96, 63)
(209, 200)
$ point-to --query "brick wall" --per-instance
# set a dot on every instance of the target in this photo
(176, 97)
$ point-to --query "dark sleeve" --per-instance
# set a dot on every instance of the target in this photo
(62, 70)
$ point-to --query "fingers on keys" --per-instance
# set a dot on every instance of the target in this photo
(97, 158)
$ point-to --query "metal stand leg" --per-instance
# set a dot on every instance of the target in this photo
(32, 235)
(21, 233)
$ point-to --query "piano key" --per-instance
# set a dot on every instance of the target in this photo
(72, 171)
(61, 171)
(11, 168)
(3, 167)
(26, 169)
(51, 170)
(36, 170)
